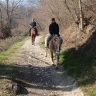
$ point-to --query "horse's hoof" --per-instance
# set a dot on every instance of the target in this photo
(53, 64)
(57, 68)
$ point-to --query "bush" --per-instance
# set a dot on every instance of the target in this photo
(6, 43)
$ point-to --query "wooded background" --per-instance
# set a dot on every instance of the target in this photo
(77, 21)
(75, 17)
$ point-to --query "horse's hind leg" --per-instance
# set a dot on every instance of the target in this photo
(33, 40)
(57, 61)
(52, 57)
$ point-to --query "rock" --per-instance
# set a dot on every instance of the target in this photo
(15, 89)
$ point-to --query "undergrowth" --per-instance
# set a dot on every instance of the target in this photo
(12, 49)
(82, 67)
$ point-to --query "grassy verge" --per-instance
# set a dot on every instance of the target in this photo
(42, 42)
(82, 67)
(4, 55)
(8, 71)
(93, 92)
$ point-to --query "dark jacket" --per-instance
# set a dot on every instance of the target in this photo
(33, 24)
(54, 29)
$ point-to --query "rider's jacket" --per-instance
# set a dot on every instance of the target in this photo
(54, 29)
(33, 24)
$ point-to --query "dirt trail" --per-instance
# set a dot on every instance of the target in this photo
(41, 78)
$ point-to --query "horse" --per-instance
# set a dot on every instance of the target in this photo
(33, 35)
(54, 47)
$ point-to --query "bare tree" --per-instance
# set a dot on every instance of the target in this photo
(80, 13)
(9, 7)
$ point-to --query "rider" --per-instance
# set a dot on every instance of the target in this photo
(33, 25)
(53, 29)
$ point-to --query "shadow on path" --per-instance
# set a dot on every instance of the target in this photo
(35, 77)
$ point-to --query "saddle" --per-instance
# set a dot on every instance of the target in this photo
(53, 38)
(36, 31)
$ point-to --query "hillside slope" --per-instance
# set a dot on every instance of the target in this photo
(81, 64)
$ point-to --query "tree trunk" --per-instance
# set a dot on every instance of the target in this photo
(1, 20)
(8, 30)
(80, 26)
(81, 16)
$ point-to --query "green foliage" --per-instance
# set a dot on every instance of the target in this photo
(93, 92)
(81, 65)
(78, 65)
(4, 55)
(6, 43)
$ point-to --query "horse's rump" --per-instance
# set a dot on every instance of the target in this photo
(33, 32)
(33, 35)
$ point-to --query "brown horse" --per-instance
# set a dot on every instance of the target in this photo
(54, 47)
(33, 36)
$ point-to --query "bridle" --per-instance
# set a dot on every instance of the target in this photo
(56, 42)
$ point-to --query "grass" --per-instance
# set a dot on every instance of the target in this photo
(4, 55)
(9, 71)
(81, 66)
(93, 92)
(6, 43)
(42, 43)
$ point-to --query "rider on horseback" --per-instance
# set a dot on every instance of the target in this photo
(33, 25)
(53, 29)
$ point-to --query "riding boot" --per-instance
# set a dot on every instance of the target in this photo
(61, 41)
(48, 43)
(30, 32)
(60, 47)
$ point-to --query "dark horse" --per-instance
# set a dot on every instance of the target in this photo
(33, 35)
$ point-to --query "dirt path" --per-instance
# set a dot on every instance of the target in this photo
(40, 76)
